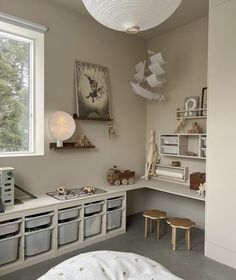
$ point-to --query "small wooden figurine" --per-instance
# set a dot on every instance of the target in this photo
(89, 189)
(83, 142)
(111, 130)
(180, 125)
(153, 157)
(196, 129)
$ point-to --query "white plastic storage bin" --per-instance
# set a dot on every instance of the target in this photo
(8, 227)
(92, 208)
(9, 248)
(204, 152)
(69, 213)
(38, 220)
(68, 232)
(170, 150)
(38, 241)
(114, 203)
(170, 140)
(92, 225)
(114, 219)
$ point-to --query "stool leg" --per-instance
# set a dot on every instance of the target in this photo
(163, 227)
(150, 230)
(174, 238)
(158, 230)
(146, 228)
(187, 234)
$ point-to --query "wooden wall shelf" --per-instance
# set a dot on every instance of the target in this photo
(69, 146)
(76, 117)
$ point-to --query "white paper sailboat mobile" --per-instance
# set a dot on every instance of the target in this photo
(147, 79)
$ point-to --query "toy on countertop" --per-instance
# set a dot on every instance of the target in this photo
(117, 177)
(89, 189)
(62, 190)
(153, 157)
(202, 190)
(196, 129)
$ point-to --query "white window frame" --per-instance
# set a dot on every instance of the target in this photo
(37, 91)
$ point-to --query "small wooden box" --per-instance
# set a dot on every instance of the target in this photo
(196, 179)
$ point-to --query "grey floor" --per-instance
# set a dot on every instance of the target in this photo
(189, 265)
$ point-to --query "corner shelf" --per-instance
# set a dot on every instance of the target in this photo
(178, 145)
(181, 113)
(69, 146)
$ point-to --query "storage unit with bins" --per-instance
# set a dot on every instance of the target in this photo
(178, 145)
(47, 227)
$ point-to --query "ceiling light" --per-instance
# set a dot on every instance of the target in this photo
(131, 16)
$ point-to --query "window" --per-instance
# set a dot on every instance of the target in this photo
(21, 91)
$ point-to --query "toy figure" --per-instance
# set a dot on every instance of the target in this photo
(153, 157)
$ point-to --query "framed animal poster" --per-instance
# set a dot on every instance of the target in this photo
(92, 91)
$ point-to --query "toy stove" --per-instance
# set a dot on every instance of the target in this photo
(74, 193)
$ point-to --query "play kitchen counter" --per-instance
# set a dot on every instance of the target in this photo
(43, 228)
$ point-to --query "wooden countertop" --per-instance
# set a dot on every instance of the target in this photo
(47, 201)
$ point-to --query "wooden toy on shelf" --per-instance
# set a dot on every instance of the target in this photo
(196, 129)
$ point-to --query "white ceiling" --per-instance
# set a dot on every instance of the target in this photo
(188, 11)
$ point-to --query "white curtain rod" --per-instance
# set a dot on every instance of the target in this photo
(23, 23)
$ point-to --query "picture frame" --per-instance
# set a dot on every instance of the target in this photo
(92, 90)
(204, 101)
(191, 103)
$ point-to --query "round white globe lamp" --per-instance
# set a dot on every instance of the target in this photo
(131, 16)
(61, 126)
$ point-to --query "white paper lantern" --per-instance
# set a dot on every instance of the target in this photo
(61, 126)
(131, 16)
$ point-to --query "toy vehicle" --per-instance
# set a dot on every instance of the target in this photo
(117, 177)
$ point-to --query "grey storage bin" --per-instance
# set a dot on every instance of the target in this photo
(114, 202)
(92, 208)
(38, 220)
(92, 225)
(68, 232)
(9, 247)
(114, 219)
(68, 213)
(38, 241)
(10, 227)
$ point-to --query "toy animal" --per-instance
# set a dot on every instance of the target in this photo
(202, 190)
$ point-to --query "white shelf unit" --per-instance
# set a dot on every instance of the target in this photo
(177, 145)
(191, 114)
(56, 250)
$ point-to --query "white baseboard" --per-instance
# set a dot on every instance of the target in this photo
(220, 254)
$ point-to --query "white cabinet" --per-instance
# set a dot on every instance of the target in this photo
(183, 145)
(55, 228)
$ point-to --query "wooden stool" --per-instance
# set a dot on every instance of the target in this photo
(158, 216)
(185, 224)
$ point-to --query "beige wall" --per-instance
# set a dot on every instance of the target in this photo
(71, 37)
(221, 191)
(185, 49)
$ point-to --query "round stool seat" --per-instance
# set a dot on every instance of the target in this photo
(180, 223)
(154, 214)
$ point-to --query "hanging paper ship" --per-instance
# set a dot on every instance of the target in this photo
(147, 77)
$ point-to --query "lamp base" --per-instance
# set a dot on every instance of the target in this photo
(59, 143)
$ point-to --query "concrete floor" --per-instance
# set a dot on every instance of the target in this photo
(189, 265)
